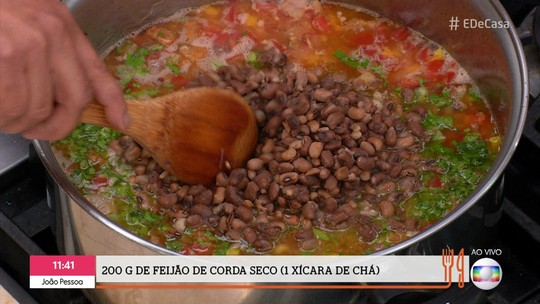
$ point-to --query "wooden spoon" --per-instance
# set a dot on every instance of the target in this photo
(194, 134)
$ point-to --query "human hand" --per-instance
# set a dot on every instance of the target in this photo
(49, 72)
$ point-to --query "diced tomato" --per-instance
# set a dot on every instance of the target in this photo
(179, 81)
(99, 181)
(452, 136)
(211, 30)
(424, 54)
(409, 83)
(435, 183)
(401, 34)
(432, 80)
(222, 40)
(434, 66)
(232, 14)
(362, 38)
(408, 46)
(321, 24)
(450, 76)
(235, 36)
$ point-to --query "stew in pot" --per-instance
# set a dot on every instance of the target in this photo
(369, 132)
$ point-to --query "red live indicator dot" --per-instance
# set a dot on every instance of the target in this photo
(80, 265)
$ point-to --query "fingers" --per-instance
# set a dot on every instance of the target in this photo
(23, 95)
(72, 91)
(105, 87)
(13, 95)
(49, 72)
(55, 127)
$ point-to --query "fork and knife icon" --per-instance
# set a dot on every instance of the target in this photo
(448, 264)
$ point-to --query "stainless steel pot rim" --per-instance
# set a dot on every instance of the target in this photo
(513, 135)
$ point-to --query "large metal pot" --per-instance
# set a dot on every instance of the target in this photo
(493, 57)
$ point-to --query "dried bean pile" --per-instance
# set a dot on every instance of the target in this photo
(333, 154)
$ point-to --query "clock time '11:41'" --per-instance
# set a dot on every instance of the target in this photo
(63, 265)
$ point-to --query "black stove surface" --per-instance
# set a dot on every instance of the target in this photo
(27, 224)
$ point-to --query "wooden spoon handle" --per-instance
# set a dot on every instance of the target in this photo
(95, 114)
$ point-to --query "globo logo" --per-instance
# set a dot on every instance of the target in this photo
(486, 274)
